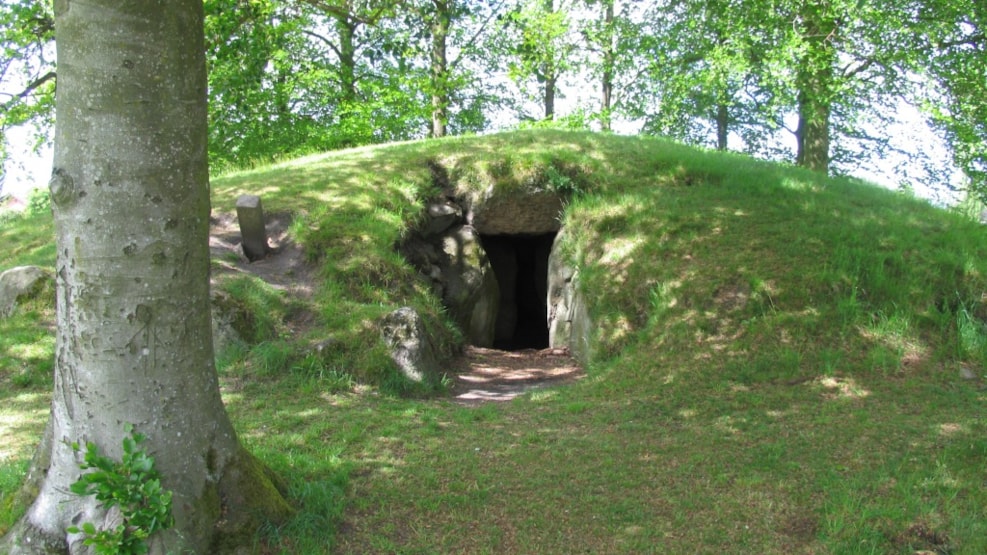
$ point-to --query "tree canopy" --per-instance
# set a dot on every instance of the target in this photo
(813, 83)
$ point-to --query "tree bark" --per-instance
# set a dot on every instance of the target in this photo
(608, 66)
(347, 58)
(550, 74)
(722, 125)
(550, 97)
(130, 194)
(815, 80)
(440, 68)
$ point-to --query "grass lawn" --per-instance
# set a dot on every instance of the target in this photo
(782, 363)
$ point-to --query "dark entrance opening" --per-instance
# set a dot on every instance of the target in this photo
(520, 263)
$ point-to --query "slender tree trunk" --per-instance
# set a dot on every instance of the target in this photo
(440, 68)
(608, 65)
(550, 74)
(130, 194)
(722, 125)
(815, 79)
(550, 97)
(347, 58)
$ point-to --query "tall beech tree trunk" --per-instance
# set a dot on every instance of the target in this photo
(550, 97)
(130, 195)
(815, 80)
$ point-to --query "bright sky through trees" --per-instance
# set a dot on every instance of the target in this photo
(310, 75)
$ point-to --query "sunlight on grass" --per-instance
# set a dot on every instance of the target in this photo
(776, 369)
(38, 350)
(842, 388)
(22, 417)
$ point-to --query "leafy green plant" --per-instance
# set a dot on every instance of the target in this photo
(39, 201)
(561, 182)
(134, 486)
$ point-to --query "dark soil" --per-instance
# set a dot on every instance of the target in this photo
(486, 375)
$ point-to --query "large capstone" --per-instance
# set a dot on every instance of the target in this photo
(518, 213)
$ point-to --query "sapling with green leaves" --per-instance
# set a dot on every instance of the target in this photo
(133, 487)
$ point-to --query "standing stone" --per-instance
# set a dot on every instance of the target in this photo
(569, 324)
(250, 214)
(403, 331)
(471, 292)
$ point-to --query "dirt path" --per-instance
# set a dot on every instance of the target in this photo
(489, 375)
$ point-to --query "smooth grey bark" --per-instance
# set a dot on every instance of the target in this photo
(130, 195)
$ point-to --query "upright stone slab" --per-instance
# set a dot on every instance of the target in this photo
(569, 324)
(471, 292)
(411, 348)
(250, 214)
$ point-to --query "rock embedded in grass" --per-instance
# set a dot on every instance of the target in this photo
(20, 284)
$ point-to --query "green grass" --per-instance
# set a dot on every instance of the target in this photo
(778, 362)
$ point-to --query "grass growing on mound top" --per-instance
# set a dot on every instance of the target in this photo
(783, 363)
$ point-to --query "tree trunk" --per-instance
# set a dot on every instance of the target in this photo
(815, 79)
(722, 125)
(440, 69)
(550, 74)
(347, 58)
(608, 64)
(130, 194)
(550, 97)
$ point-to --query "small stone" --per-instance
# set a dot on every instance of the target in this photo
(441, 216)
(19, 284)
(403, 331)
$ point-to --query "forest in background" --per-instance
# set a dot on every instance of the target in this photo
(819, 84)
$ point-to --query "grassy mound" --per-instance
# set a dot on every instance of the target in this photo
(782, 362)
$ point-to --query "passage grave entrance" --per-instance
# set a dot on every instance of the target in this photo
(494, 260)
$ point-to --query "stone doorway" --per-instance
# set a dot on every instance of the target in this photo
(520, 264)
(494, 259)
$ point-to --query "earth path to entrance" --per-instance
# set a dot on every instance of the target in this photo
(490, 375)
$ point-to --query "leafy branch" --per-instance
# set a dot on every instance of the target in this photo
(134, 486)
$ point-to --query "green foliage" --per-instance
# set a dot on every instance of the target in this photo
(958, 65)
(972, 335)
(133, 486)
(560, 182)
(27, 78)
(39, 202)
